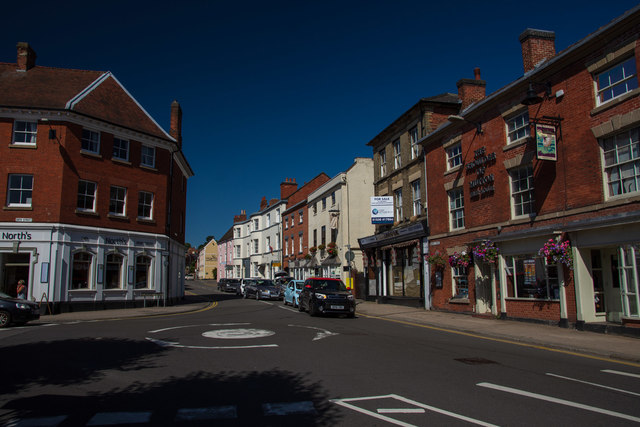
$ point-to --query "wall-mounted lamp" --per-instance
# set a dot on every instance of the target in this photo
(532, 97)
(52, 132)
(455, 118)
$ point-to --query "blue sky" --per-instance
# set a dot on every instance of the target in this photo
(286, 89)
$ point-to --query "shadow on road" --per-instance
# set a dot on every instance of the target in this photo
(72, 362)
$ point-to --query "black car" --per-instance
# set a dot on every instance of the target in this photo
(322, 295)
(229, 285)
(16, 311)
(282, 282)
(261, 289)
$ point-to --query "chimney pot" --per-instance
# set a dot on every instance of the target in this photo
(175, 126)
(471, 90)
(476, 73)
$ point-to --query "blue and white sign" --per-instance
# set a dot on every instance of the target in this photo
(382, 210)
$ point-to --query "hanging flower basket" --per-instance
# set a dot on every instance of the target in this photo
(313, 250)
(486, 252)
(321, 247)
(437, 260)
(462, 259)
(557, 252)
(332, 250)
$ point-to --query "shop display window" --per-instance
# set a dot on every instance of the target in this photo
(113, 274)
(81, 270)
(530, 277)
(143, 272)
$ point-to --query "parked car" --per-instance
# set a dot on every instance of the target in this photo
(322, 295)
(282, 282)
(221, 283)
(229, 285)
(16, 311)
(243, 285)
(292, 292)
(189, 277)
(262, 289)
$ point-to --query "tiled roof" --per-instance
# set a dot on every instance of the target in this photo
(66, 89)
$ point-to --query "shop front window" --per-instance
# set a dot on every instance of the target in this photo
(404, 272)
(460, 282)
(81, 270)
(529, 277)
(143, 272)
(113, 274)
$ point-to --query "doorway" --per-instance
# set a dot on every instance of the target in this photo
(483, 288)
(14, 267)
(606, 279)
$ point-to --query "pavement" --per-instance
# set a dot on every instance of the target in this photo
(604, 346)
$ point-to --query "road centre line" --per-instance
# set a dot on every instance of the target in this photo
(289, 408)
(627, 374)
(505, 341)
(559, 401)
(114, 418)
(202, 347)
(594, 384)
(211, 413)
(191, 326)
(401, 411)
(345, 403)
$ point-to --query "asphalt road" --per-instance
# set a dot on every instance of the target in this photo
(247, 362)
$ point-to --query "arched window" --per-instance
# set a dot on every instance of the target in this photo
(81, 270)
(113, 275)
(143, 272)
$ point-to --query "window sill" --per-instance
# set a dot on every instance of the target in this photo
(532, 299)
(91, 154)
(117, 217)
(517, 143)
(27, 146)
(149, 168)
(88, 213)
(17, 208)
(615, 101)
(114, 290)
(454, 300)
(146, 220)
(82, 291)
(121, 162)
(453, 170)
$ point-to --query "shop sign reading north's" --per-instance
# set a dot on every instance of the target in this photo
(16, 235)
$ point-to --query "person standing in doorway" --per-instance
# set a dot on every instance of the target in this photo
(21, 289)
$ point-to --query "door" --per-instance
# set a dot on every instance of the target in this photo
(483, 288)
(15, 267)
(628, 272)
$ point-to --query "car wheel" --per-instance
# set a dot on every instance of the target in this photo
(257, 296)
(294, 303)
(313, 311)
(244, 295)
(5, 319)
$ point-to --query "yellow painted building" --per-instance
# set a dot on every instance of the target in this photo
(208, 261)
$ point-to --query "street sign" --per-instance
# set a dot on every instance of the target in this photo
(349, 256)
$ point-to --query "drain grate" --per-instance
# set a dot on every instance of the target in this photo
(476, 361)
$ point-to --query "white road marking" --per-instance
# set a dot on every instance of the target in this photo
(289, 408)
(37, 422)
(560, 401)
(212, 413)
(115, 418)
(320, 335)
(594, 384)
(627, 374)
(401, 411)
(344, 402)
(203, 347)
(238, 334)
(193, 326)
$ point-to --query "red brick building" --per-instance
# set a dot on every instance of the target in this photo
(93, 190)
(295, 233)
(554, 155)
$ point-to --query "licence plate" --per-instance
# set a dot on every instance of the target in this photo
(337, 307)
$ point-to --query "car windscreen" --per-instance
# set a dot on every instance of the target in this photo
(264, 282)
(329, 285)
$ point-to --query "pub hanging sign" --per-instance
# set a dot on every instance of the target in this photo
(546, 146)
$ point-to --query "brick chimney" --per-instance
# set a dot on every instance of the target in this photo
(241, 217)
(287, 188)
(263, 204)
(471, 90)
(537, 46)
(26, 57)
(273, 202)
(175, 126)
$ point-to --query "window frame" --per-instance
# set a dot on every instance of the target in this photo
(142, 204)
(511, 275)
(456, 213)
(145, 156)
(525, 126)
(397, 154)
(530, 190)
(383, 162)
(416, 197)
(86, 195)
(631, 137)
(413, 138)
(120, 149)
(454, 156)
(26, 131)
(87, 141)
(137, 272)
(625, 79)
(89, 270)
(397, 205)
(117, 201)
(21, 190)
(107, 273)
(459, 275)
